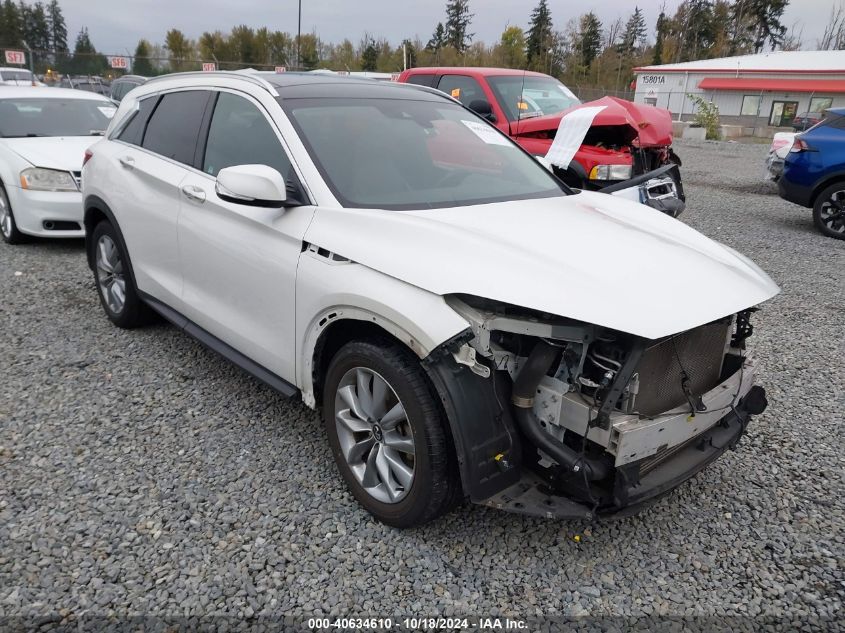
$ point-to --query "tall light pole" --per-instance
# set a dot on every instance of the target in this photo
(299, 35)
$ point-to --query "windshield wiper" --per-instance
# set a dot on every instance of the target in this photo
(30, 135)
(97, 133)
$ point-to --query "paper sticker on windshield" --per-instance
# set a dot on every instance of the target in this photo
(108, 111)
(456, 93)
(486, 133)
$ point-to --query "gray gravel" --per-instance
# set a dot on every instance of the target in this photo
(139, 473)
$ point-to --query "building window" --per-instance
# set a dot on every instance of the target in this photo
(751, 105)
(820, 104)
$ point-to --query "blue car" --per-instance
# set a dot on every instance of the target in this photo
(814, 173)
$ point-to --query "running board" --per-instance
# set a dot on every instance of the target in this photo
(216, 345)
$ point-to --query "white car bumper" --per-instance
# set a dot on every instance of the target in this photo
(47, 213)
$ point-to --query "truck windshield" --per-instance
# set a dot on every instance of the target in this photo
(402, 154)
(54, 117)
(527, 97)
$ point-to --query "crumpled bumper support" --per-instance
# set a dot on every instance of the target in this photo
(633, 492)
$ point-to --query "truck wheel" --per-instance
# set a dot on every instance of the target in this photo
(829, 211)
(387, 433)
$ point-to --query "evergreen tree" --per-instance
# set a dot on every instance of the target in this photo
(458, 19)
(86, 60)
(141, 64)
(589, 38)
(696, 30)
(757, 22)
(11, 25)
(58, 28)
(369, 56)
(438, 38)
(539, 37)
(635, 33)
(37, 33)
(661, 29)
(180, 49)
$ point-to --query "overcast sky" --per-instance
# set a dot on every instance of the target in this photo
(117, 26)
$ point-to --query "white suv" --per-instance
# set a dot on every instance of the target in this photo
(467, 325)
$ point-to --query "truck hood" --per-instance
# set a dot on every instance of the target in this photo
(55, 152)
(589, 256)
(651, 125)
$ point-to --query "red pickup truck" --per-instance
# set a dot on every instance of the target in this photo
(626, 145)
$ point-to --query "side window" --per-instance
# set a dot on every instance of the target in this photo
(240, 134)
(134, 130)
(422, 80)
(464, 89)
(175, 124)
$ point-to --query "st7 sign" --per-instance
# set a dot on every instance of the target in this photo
(16, 58)
(209, 67)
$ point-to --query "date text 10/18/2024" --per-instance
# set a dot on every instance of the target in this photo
(416, 624)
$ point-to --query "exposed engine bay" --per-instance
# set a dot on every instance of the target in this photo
(609, 420)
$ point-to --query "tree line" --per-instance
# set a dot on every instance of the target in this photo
(582, 51)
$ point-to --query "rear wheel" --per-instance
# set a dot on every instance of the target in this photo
(388, 435)
(829, 211)
(117, 291)
(8, 228)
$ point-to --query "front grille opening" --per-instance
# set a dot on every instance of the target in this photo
(60, 225)
(699, 352)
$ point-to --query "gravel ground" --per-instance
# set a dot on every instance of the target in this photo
(141, 474)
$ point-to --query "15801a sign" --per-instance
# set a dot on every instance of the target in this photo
(653, 80)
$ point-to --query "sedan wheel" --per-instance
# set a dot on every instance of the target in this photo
(829, 211)
(110, 274)
(8, 230)
(374, 434)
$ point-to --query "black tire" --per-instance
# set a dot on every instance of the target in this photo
(9, 231)
(831, 199)
(133, 312)
(435, 488)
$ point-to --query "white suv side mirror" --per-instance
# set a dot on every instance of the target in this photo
(252, 185)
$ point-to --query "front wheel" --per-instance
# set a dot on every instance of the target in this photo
(388, 435)
(829, 211)
(8, 228)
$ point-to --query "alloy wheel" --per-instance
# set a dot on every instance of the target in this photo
(110, 275)
(374, 434)
(832, 213)
(5, 216)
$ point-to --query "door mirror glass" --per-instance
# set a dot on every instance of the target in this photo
(483, 109)
(252, 185)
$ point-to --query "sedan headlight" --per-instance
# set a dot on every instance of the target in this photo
(611, 172)
(40, 179)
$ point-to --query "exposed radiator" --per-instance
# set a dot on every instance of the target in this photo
(700, 352)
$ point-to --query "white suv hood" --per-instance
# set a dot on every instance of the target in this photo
(589, 257)
(54, 152)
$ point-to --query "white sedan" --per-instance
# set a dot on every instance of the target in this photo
(43, 138)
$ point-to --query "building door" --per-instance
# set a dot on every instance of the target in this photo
(783, 112)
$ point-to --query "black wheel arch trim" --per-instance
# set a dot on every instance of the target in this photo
(216, 345)
(485, 436)
(93, 205)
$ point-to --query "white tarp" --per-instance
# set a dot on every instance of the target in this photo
(570, 134)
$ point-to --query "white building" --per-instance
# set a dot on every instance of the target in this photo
(767, 89)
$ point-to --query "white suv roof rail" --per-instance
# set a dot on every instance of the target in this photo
(228, 74)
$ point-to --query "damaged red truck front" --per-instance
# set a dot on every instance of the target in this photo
(609, 145)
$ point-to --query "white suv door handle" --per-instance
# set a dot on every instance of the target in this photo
(127, 161)
(193, 193)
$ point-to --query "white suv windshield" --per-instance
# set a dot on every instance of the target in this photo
(403, 154)
(528, 97)
(54, 117)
